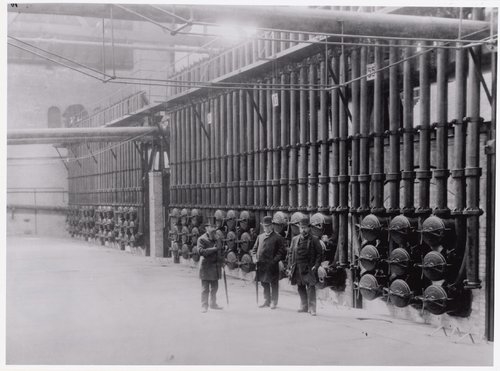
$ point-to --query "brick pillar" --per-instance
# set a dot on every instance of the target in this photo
(156, 215)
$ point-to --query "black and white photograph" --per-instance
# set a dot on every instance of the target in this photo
(249, 184)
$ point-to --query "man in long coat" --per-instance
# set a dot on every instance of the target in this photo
(267, 252)
(210, 267)
(305, 259)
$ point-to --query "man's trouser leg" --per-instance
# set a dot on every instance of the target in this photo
(204, 293)
(214, 286)
(311, 298)
(275, 291)
(303, 296)
(267, 293)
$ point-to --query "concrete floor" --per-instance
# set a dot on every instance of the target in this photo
(70, 302)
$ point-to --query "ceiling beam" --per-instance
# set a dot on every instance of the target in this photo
(292, 18)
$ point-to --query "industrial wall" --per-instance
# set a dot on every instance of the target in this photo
(36, 175)
(380, 145)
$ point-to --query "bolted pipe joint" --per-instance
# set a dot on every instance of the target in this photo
(371, 286)
(374, 227)
(293, 224)
(184, 217)
(196, 218)
(440, 299)
(219, 217)
(246, 221)
(231, 220)
(174, 217)
(280, 222)
(403, 231)
(400, 293)
(439, 233)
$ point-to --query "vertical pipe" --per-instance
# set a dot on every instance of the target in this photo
(192, 157)
(313, 140)
(181, 156)
(378, 147)
(217, 151)
(294, 154)
(263, 146)
(230, 157)
(355, 129)
(249, 148)
(242, 146)
(472, 170)
(236, 150)
(213, 148)
(334, 160)
(276, 142)
(343, 178)
(323, 128)
(198, 139)
(490, 196)
(394, 176)
(203, 138)
(459, 133)
(364, 177)
(256, 148)
(285, 139)
(441, 173)
(208, 151)
(303, 138)
(424, 173)
(269, 129)
(224, 152)
(189, 158)
(408, 173)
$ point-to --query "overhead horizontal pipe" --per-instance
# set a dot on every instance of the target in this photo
(280, 17)
(80, 132)
(73, 140)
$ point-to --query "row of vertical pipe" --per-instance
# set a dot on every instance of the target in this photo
(283, 146)
(265, 46)
(99, 176)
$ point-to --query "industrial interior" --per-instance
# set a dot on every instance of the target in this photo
(378, 123)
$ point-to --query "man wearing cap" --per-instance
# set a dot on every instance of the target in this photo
(305, 259)
(210, 267)
(267, 252)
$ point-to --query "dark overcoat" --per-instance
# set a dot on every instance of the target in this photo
(267, 251)
(305, 254)
(212, 259)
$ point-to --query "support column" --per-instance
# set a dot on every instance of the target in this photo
(156, 214)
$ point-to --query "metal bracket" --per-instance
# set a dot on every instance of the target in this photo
(74, 154)
(201, 122)
(490, 147)
(90, 151)
(59, 153)
(480, 75)
(342, 97)
(256, 108)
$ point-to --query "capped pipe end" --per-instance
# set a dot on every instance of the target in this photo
(472, 285)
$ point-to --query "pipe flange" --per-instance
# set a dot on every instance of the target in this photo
(313, 180)
(424, 174)
(378, 176)
(408, 175)
(470, 172)
(441, 173)
(323, 179)
(473, 211)
(393, 177)
(442, 213)
(364, 178)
